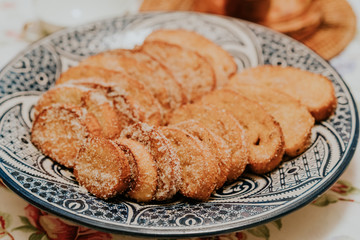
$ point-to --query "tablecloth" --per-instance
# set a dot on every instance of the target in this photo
(334, 215)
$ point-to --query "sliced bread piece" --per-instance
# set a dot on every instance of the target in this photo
(264, 135)
(102, 168)
(140, 96)
(60, 130)
(145, 69)
(218, 147)
(222, 124)
(128, 111)
(144, 175)
(295, 120)
(222, 62)
(315, 91)
(66, 94)
(112, 111)
(193, 71)
(167, 162)
(198, 167)
(108, 116)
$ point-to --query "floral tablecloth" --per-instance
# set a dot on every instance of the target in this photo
(334, 215)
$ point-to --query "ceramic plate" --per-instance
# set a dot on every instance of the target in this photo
(252, 200)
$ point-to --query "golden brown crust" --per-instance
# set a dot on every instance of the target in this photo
(315, 91)
(295, 120)
(198, 167)
(264, 135)
(145, 69)
(105, 112)
(59, 131)
(99, 100)
(192, 70)
(204, 144)
(144, 176)
(66, 94)
(167, 162)
(222, 62)
(217, 146)
(137, 94)
(100, 74)
(222, 124)
(102, 168)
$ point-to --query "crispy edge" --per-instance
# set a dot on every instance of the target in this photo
(223, 121)
(167, 162)
(102, 168)
(256, 75)
(195, 158)
(200, 44)
(192, 90)
(145, 177)
(269, 98)
(258, 164)
(85, 124)
(220, 150)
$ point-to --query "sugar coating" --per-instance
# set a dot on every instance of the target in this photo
(315, 91)
(135, 91)
(102, 168)
(165, 158)
(145, 69)
(223, 124)
(198, 166)
(264, 134)
(218, 147)
(144, 176)
(59, 132)
(192, 70)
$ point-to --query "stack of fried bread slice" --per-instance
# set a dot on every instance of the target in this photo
(59, 132)
(264, 135)
(198, 166)
(217, 146)
(145, 106)
(195, 73)
(222, 62)
(294, 119)
(141, 66)
(314, 91)
(151, 122)
(225, 126)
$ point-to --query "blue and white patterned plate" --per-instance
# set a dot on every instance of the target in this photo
(253, 200)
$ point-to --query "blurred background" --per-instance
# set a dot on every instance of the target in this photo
(329, 27)
(326, 26)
